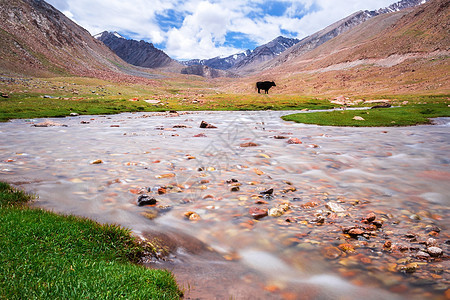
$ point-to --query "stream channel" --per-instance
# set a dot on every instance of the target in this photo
(335, 179)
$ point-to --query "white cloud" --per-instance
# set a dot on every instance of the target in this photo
(203, 25)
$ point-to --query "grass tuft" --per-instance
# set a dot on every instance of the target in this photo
(383, 117)
(44, 255)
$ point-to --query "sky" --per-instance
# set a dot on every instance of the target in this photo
(205, 29)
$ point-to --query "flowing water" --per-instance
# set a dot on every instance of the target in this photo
(330, 181)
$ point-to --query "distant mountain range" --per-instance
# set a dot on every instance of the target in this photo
(250, 61)
(38, 40)
(140, 53)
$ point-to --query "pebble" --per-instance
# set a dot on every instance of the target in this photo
(249, 144)
(294, 141)
(276, 212)
(267, 192)
(204, 124)
(258, 213)
(334, 207)
(145, 200)
(192, 216)
(369, 218)
(434, 251)
(96, 162)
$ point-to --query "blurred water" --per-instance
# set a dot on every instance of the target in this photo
(397, 171)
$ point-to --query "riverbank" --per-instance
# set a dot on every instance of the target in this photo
(28, 98)
(49, 256)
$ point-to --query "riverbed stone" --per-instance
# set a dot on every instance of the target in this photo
(258, 213)
(145, 200)
(334, 207)
(276, 212)
(204, 124)
(434, 251)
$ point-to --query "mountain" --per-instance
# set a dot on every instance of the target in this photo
(313, 41)
(138, 53)
(220, 63)
(38, 40)
(264, 53)
(245, 59)
(206, 71)
(399, 52)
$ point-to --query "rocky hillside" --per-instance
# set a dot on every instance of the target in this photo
(393, 53)
(138, 53)
(313, 41)
(38, 40)
(263, 53)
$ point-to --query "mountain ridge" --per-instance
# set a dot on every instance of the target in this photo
(137, 53)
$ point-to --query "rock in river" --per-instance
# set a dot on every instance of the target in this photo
(204, 124)
(145, 200)
(258, 213)
(434, 251)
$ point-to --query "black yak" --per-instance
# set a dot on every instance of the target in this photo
(264, 85)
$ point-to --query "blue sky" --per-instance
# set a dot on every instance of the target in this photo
(205, 29)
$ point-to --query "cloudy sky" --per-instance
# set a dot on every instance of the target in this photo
(205, 29)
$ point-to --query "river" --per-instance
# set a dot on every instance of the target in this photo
(98, 166)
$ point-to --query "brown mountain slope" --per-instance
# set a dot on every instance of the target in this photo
(401, 52)
(38, 40)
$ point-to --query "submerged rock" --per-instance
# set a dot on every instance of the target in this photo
(248, 144)
(258, 213)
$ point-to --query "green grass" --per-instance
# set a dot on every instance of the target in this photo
(396, 116)
(44, 255)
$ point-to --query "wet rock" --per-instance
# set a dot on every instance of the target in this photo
(294, 141)
(258, 213)
(204, 124)
(334, 207)
(181, 126)
(275, 212)
(348, 248)
(387, 245)
(409, 268)
(331, 252)
(434, 251)
(145, 200)
(355, 232)
(422, 255)
(433, 228)
(232, 180)
(280, 137)
(410, 235)
(289, 189)
(369, 218)
(267, 192)
(200, 135)
(378, 223)
(431, 242)
(235, 189)
(248, 144)
(318, 220)
(192, 216)
(96, 162)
